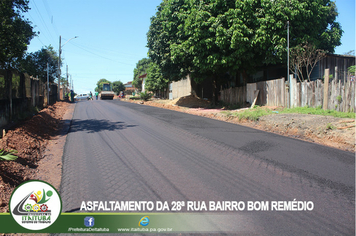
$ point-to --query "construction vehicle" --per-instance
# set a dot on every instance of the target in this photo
(107, 92)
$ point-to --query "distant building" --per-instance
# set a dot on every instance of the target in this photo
(129, 88)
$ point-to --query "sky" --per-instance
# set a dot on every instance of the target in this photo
(111, 35)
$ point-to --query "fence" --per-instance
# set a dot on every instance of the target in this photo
(25, 92)
(340, 94)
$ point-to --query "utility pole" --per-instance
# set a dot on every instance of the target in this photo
(59, 63)
(289, 80)
(47, 84)
(59, 68)
(67, 80)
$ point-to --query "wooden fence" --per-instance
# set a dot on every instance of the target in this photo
(340, 95)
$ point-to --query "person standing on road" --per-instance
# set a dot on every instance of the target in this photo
(96, 95)
(71, 95)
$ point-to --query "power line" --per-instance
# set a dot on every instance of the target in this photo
(33, 21)
(89, 51)
(44, 23)
(40, 41)
(106, 50)
(50, 15)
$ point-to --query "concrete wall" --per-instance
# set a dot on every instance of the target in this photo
(181, 88)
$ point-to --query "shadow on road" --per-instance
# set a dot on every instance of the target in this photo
(92, 126)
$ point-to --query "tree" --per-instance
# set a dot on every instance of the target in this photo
(99, 84)
(118, 86)
(351, 70)
(350, 53)
(155, 80)
(141, 68)
(166, 30)
(305, 56)
(15, 32)
(209, 38)
(35, 63)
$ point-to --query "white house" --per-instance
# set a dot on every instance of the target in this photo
(143, 77)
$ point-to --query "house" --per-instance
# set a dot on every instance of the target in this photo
(143, 77)
(338, 65)
(129, 88)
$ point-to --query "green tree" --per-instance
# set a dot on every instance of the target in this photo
(35, 63)
(118, 86)
(15, 32)
(167, 30)
(99, 84)
(64, 81)
(209, 38)
(155, 80)
(141, 68)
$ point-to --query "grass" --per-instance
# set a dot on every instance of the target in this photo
(257, 112)
(250, 114)
(330, 126)
(7, 155)
(318, 111)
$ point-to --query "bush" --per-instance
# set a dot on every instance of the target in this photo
(145, 96)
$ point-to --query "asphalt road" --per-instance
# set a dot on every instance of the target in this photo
(129, 152)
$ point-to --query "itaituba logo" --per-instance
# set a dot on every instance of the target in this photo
(35, 205)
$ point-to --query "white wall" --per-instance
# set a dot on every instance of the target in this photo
(181, 88)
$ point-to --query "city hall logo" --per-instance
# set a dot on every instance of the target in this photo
(35, 205)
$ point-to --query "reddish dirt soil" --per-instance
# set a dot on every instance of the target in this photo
(30, 138)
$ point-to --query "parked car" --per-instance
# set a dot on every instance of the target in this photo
(80, 97)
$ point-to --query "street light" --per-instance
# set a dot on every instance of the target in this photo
(59, 63)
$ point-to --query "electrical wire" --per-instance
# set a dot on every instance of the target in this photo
(50, 15)
(107, 51)
(43, 21)
(95, 54)
(36, 26)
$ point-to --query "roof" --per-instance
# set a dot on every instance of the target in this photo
(338, 55)
(142, 76)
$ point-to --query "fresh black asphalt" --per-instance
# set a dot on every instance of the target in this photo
(123, 151)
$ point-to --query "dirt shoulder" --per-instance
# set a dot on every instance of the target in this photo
(325, 130)
(39, 142)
